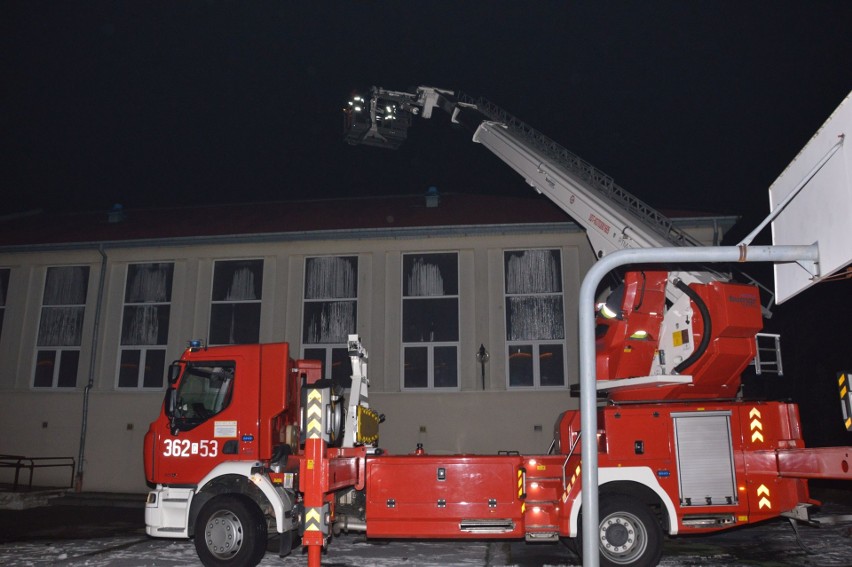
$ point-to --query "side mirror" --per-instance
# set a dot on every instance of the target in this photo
(170, 402)
(174, 373)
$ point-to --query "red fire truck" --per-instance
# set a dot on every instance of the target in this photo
(252, 444)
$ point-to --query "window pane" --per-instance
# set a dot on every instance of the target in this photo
(416, 374)
(145, 325)
(316, 354)
(66, 285)
(238, 280)
(45, 363)
(341, 368)
(520, 365)
(533, 271)
(328, 321)
(234, 323)
(128, 371)
(551, 366)
(446, 368)
(530, 318)
(68, 361)
(155, 367)
(61, 326)
(149, 283)
(430, 274)
(204, 391)
(430, 320)
(331, 277)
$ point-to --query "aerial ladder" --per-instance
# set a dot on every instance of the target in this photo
(653, 311)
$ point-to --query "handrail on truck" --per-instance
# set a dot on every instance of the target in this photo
(567, 458)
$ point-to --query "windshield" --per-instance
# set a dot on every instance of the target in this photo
(204, 391)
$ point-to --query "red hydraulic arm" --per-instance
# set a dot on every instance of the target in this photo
(322, 471)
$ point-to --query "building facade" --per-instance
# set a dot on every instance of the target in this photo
(95, 307)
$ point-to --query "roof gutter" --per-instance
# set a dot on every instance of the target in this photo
(389, 233)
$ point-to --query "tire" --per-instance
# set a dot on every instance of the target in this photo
(629, 534)
(230, 531)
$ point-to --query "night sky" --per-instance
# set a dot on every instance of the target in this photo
(689, 105)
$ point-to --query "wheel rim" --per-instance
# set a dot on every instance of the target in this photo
(223, 534)
(623, 537)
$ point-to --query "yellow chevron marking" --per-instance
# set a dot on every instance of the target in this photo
(762, 490)
(754, 412)
(841, 379)
(315, 409)
(314, 395)
(764, 502)
(312, 520)
(314, 429)
(755, 424)
(756, 435)
(312, 515)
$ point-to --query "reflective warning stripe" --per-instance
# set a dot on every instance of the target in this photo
(314, 415)
(845, 399)
(764, 502)
(313, 520)
(756, 426)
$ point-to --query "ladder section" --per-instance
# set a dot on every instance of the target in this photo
(767, 359)
(585, 171)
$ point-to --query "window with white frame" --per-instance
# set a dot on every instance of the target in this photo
(430, 320)
(4, 290)
(145, 325)
(330, 310)
(60, 330)
(235, 304)
(535, 321)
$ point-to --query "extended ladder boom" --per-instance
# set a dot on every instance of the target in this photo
(613, 219)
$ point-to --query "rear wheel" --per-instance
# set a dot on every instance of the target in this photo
(628, 533)
(230, 530)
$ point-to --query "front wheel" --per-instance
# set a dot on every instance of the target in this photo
(230, 531)
(628, 533)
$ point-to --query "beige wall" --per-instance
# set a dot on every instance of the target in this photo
(468, 422)
(48, 422)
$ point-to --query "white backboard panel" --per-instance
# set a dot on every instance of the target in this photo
(822, 211)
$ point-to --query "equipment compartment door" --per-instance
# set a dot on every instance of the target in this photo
(705, 459)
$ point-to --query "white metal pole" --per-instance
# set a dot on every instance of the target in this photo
(588, 379)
